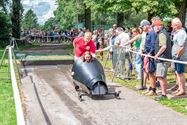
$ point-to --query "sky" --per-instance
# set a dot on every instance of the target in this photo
(42, 8)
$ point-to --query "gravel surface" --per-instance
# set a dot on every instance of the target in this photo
(61, 106)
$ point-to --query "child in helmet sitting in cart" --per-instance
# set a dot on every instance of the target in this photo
(87, 57)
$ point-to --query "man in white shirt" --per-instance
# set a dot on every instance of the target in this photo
(179, 52)
(123, 66)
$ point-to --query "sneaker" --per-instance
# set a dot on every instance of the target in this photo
(147, 91)
(142, 88)
(160, 97)
(175, 92)
(151, 93)
(157, 84)
(174, 88)
(112, 70)
(138, 78)
(124, 77)
(118, 76)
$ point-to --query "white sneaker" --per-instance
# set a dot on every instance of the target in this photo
(138, 78)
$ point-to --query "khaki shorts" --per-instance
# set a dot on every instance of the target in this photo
(161, 69)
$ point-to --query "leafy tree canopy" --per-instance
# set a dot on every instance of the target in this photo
(30, 20)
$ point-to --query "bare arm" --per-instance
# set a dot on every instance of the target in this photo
(132, 40)
(180, 51)
(161, 50)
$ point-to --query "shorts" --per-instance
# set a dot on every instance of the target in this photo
(161, 69)
(178, 67)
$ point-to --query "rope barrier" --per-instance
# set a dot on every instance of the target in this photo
(159, 58)
(105, 49)
(56, 36)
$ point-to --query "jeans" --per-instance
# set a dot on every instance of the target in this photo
(138, 61)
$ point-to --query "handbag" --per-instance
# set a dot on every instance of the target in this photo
(152, 65)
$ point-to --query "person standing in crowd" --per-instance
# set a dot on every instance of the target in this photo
(179, 52)
(81, 33)
(149, 49)
(100, 48)
(114, 27)
(169, 29)
(122, 55)
(137, 41)
(162, 50)
(145, 25)
(112, 52)
(95, 37)
(84, 44)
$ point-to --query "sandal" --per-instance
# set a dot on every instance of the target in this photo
(180, 94)
(175, 92)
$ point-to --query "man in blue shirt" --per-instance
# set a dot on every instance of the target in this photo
(149, 49)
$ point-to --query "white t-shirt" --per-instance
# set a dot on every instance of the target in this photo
(110, 44)
(121, 39)
(143, 41)
(180, 40)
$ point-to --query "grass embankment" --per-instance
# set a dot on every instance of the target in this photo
(179, 105)
(7, 107)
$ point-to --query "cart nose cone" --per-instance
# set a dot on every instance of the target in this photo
(99, 89)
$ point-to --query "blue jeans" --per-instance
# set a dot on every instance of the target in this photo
(138, 61)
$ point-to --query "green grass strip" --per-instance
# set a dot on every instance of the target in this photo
(7, 106)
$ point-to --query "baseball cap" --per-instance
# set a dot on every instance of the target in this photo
(144, 23)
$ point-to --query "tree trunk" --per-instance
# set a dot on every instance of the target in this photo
(182, 12)
(150, 16)
(120, 19)
(16, 18)
(87, 18)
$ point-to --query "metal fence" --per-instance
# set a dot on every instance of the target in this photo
(17, 99)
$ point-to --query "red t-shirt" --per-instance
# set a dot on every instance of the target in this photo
(80, 48)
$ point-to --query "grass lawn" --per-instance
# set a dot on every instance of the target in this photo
(179, 105)
(7, 108)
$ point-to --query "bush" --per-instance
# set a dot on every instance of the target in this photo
(5, 29)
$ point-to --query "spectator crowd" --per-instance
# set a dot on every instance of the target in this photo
(151, 39)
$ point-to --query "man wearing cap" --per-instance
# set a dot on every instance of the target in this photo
(149, 49)
(162, 50)
(145, 25)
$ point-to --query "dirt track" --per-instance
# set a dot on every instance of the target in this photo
(60, 105)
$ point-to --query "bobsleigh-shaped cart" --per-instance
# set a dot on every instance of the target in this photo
(89, 78)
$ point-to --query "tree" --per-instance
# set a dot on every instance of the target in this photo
(181, 6)
(119, 7)
(161, 8)
(120, 11)
(16, 18)
(30, 20)
(3, 4)
(87, 17)
(50, 24)
(5, 29)
(5, 23)
(68, 12)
